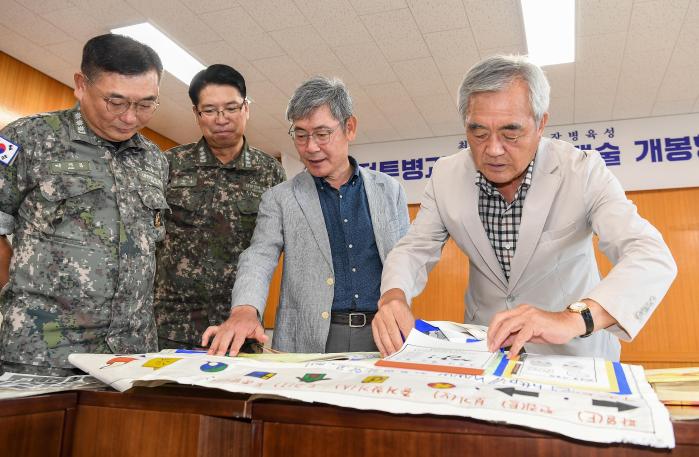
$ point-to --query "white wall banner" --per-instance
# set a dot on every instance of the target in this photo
(409, 161)
(647, 153)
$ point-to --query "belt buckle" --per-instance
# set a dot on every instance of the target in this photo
(357, 314)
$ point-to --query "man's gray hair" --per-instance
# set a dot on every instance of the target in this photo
(496, 73)
(319, 91)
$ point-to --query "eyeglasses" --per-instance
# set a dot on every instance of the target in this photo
(228, 111)
(321, 136)
(120, 105)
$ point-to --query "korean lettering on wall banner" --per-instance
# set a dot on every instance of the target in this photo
(647, 153)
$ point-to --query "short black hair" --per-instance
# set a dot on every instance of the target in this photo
(119, 54)
(220, 74)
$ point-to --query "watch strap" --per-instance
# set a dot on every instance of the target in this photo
(589, 324)
(583, 310)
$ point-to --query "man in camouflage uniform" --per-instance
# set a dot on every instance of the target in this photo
(83, 193)
(214, 191)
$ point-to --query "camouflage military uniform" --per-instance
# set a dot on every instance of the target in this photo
(214, 207)
(86, 220)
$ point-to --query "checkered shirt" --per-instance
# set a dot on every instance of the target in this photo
(500, 220)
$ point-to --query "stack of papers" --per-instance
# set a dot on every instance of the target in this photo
(16, 385)
(676, 386)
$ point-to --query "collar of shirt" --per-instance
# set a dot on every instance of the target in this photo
(206, 158)
(321, 182)
(78, 130)
(489, 188)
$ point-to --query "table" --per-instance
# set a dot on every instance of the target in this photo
(37, 426)
(163, 421)
(300, 429)
(176, 420)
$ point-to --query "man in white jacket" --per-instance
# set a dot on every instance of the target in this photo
(524, 209)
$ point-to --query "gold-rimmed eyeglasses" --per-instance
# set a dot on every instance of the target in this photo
(120, 105)
(321, 136)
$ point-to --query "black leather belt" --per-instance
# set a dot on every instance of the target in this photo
(352, 319)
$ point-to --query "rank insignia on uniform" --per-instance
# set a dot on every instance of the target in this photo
(79, 124)
(157, 221)
(8, 151)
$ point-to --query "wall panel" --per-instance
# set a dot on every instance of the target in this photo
(25, 91)
(670, 335)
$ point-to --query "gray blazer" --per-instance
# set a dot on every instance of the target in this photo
(290, 219)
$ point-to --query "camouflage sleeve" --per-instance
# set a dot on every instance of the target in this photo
(10, 194)
(169, 157)
(279, 175)
(165, 176)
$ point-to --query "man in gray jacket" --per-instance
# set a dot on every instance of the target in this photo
(335, 223)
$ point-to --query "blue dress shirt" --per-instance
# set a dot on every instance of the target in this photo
(356, 261)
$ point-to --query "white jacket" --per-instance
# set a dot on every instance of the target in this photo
(572, 196)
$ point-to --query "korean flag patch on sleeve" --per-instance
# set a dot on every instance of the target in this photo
(8, 151)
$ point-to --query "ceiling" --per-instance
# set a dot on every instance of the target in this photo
(402, 59)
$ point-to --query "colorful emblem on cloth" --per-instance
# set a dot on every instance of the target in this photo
(8, 151)
(159, 362)
(313, 377)
(116, 361)
(374, 379)
(213, 367)
(261, 374)
(441, 385)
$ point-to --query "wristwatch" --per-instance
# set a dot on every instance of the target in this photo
(582, 309)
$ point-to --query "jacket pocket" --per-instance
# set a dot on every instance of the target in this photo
(558, 234)
(187, 204)
(62, 187)
(248, 208)
(66, 271)
(62, 199)
(471, 310)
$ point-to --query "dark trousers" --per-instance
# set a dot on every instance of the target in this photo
(343, 338)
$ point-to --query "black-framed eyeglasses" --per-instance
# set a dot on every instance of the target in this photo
(320, 136)
(120, 105)
(228, 111)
